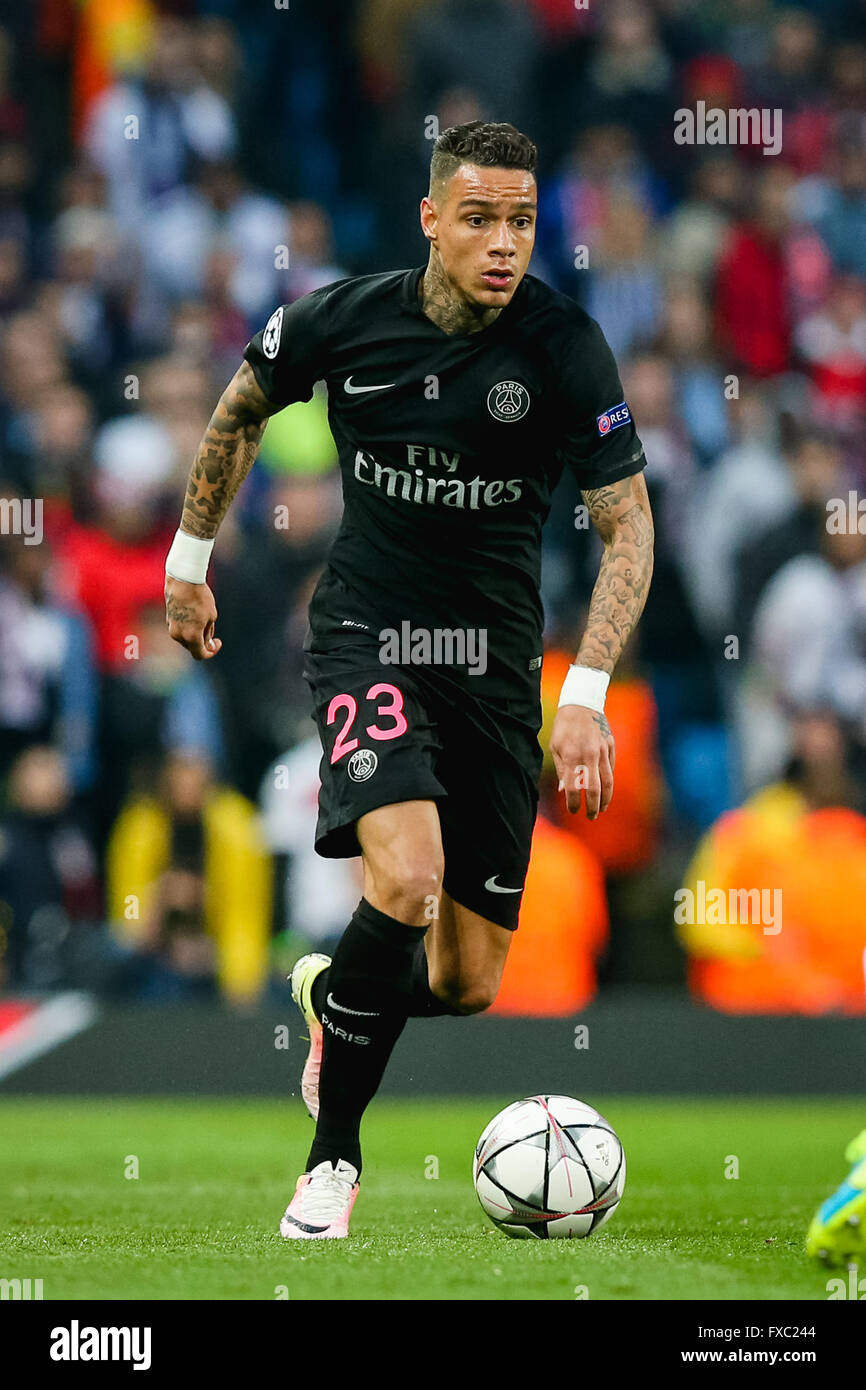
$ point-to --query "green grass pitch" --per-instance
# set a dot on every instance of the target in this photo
(200, 1219)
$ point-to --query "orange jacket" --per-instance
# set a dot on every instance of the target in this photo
(550, 969)
(815, 861)
(626, 837)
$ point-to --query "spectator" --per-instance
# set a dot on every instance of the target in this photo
(809, 634)
(550, 970)
(833, 343)
(752, 318)
(311, 251)
(815, 468)
(790, 76)
(189, 887)
(48, 885)
(114, 568)
(266, 699)
(177, 118)
(315, 897)
(55, 462)
(489, 46)
(798, 845)
(629, 78)
(156, 702)
(217, 212)
(48, 685)
(575, 205)
(625, 289)
(749, 489)
(686, 341)
(696, 229)
(843, 222)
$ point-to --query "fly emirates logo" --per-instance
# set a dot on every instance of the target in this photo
(413, 484)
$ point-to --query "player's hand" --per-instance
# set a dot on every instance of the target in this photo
(190, 613)
(584, 754)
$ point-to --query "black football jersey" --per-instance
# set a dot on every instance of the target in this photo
(450, 446)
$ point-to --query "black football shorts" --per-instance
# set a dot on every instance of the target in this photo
(394, 733)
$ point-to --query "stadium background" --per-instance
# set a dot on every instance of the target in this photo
(169, 172)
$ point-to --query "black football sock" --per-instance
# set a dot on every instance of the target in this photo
(319, 992)
(423, 1003)
(364, 1011)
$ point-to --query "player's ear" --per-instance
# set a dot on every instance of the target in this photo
(429, 218)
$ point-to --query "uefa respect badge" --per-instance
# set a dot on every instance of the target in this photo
(612, 419)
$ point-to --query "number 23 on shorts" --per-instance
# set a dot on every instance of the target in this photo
(392, 710)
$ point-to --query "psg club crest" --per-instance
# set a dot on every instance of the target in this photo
(271, 335)
(508, 401)
(362, 764)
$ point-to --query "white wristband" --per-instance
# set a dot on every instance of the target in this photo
(584, 686)
(188, 558)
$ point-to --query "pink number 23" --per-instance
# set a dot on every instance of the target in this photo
(393, 710)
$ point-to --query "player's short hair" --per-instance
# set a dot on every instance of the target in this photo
(491, 144)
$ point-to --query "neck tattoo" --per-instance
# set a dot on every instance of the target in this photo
(441, 303)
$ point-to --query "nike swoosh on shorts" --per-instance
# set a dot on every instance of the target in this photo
(493, 887)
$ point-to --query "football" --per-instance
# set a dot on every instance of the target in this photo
(549, 1166)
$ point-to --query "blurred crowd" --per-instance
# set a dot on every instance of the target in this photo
(170, 171)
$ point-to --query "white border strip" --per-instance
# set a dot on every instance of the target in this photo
(49, 1025)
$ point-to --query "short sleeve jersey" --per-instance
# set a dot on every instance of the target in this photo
(450, 446)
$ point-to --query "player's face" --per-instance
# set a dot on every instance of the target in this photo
(483, 226)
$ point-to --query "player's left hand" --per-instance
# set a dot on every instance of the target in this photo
(584, 754)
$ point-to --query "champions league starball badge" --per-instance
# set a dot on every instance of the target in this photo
(272, 333)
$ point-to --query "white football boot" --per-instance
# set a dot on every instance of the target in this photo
(322, 1204)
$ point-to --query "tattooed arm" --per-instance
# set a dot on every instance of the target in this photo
(581, 741)
(225, 456)
(621, 515)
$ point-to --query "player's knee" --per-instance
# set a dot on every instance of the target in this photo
(475, 1001)
(410, 886)
(469, 997)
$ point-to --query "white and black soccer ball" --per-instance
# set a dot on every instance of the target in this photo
(549, 1166)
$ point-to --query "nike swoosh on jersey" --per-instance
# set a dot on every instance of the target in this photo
(362, 1013)
(358, 390)
(493, 887)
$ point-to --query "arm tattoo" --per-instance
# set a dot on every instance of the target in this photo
(621, 515)
(226, 453)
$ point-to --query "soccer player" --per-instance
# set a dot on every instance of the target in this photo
(458, 392)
